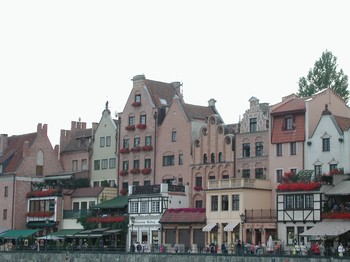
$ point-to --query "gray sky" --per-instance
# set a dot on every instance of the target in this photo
(62, 60)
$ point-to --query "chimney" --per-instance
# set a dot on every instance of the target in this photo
(3, 143)
(138, 78)
(212, 102)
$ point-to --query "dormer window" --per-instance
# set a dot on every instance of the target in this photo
(288, 123)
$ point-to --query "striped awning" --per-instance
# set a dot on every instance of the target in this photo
(209, 227)
(230, 226)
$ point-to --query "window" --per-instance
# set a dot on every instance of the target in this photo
(84, 205)
(131, 121)
(136, 141)
(309, 201)
(199, 204)
(143, 119)
(75, 205)
(134, 207)
(246, 150)
(279, 175)
(102, 141)
(259, 149)
(299, 201)
(40, 163)
(180, 181)
(259, 173)
(318, 170)
(4, 214)
(6, 191)
(221, 158)
(214, 203)
(293, 170)
(205, 159)
(136, 164)
(289, 202)
(198, 181)
(181, 159)
(148, 140)
(144, 207)
(246, 173)
(84, 164)
(288, 123)
(104, 163)
(155, 206)
(235, 202)
(148, 163)
(253, 127)
(126, 143)
(97, 165)
(326, 146)
(125, 185)
(212, 158)
(136, 183)
(290, 235)
(125, 165)
(168, 160)
(279, 150)
(137, 98)
(293, 148)
(147, 183)
(108, 141)
(96, 183)
(39, 170)
(332, 167)
(75, 165)
(173, 136)
(112, 163)
(224, 203)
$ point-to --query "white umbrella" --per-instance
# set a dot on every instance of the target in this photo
(50, 237)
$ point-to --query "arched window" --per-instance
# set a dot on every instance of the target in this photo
(40, 163)
(220, 158)
(212, 158)
(205, 159)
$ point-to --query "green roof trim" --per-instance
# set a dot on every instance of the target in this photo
(66, 232)
(117, 202)
(18, 234)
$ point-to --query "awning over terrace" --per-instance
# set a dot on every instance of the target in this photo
(231, 226)
(329, 227)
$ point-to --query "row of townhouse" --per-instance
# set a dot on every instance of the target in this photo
(180, 173)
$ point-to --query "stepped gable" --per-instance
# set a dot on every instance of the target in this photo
(76, 143)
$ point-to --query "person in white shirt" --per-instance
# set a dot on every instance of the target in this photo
(340, 250)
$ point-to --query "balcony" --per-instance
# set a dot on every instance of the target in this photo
(239, 183)
(157, 189)
(76, 213)
(261, 215)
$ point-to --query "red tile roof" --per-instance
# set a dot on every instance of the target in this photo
(160, 90)
(183, 215)
(343, 122)
(87, 192)
(13, 154)
(195, 112)
(291, 106)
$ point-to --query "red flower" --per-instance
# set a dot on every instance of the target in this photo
(136, 104)
(125, 150)
(141, 126)
(135, 171)
(146, 171)
(105, 219)
(301, 186)
(336, 215)
(198, 188)
(130, 127)
(147, 148)
(40, 214)
(136, 149)
(123, 192)
(42, 193)
(123, 172)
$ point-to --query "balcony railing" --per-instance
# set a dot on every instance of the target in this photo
(260, 215)
(239, 183)
(76, 213)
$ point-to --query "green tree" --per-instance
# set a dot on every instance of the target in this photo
(324, 75)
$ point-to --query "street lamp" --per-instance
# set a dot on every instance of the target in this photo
(242, 216)
(47, 229)
(132, 220)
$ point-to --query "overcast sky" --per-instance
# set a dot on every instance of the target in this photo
(62, 60)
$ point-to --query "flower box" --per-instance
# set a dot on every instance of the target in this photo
(135, 171)
(147, 148)
(146, 171)
(125, 150)
(141, 126)
(198, 188)
(136, 104)
(123, 192)
(40, 214)
(136, 149)
(105, 219)
(300, 186)
(42, 193)
(123, 172)
(336, 215)
(130, 127)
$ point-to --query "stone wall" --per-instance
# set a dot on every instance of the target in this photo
(153, 257)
